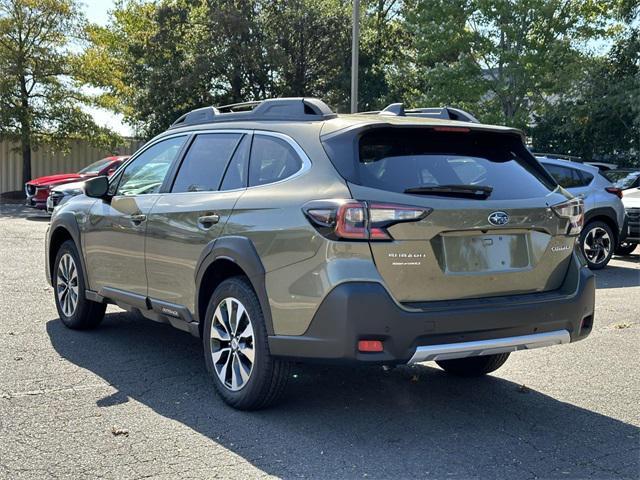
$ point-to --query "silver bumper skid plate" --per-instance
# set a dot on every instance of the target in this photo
(448, 351)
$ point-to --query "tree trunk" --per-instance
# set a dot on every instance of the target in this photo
(26, 153)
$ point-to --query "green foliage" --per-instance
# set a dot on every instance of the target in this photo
(501, 58)
(599, 117)
(156, 61)
(524, 63)
(40, 98)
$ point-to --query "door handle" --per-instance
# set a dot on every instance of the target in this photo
(138, 218)
(207, 221)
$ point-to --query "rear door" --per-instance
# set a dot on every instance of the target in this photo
(209, 181)
(470, 244)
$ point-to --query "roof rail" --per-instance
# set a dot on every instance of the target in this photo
(296, 109)
(446, 113)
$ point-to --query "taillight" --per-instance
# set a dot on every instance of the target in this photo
(614, 191)
(572, 210)
(355, 220)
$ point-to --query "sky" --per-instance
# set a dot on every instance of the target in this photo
(96, 10)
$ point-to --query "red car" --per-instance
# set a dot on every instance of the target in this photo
(38, 189)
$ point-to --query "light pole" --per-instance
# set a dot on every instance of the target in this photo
(355, 40)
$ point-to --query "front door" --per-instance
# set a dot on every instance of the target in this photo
(115, 236)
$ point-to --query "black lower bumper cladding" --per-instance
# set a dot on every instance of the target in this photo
(365, 311)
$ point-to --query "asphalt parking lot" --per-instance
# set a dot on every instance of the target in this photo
(132, 400)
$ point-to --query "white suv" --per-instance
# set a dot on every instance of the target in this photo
(603, 209)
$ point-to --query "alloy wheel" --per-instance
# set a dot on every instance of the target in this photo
(232, 343)
(597, 245)
(67, 285)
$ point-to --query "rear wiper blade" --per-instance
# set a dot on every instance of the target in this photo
(462, 191)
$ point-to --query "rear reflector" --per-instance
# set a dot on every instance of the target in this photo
(370, 346)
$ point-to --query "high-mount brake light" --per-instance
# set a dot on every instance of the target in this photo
(356, 220)
(452, 129)
(572, 210)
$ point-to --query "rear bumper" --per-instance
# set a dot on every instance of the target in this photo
(365, 311)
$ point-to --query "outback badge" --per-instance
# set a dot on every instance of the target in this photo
(499, 218)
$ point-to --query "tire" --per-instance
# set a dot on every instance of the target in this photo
(473, 366)
(230, 342)
(626, 248)
(597, 243)
(74, 309)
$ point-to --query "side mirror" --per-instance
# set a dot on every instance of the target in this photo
(96, 187)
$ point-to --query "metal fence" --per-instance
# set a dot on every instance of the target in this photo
(46, 161)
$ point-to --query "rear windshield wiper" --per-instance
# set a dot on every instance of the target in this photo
(461, 191)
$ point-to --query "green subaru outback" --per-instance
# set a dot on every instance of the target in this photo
(279, 231)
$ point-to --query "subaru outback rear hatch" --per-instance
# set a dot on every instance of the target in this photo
(453, 212)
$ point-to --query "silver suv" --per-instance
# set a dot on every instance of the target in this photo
(604, 212)
(279, 231)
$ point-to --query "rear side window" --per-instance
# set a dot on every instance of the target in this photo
(569, 177)
(205, 162)
(272, 160)
(397, 159)
(236, 174)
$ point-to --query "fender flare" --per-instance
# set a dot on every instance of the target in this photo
(66, 221)
(242, 252)
(607, 212)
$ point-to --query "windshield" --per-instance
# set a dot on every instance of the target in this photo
(407, 159)
(95, 167)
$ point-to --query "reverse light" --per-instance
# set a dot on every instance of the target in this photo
(573, 211)
(355, 220)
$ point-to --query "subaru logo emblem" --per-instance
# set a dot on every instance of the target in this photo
(499, 218)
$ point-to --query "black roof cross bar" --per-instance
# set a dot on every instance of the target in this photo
(288, 109)
(445, 113)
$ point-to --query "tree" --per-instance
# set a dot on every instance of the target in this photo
(599, 117)
(310, 45)
(158, 60)
(383, 38)
(39, 97)
(145, 63)
(501, 58)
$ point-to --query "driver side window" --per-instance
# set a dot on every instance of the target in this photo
(145, 174)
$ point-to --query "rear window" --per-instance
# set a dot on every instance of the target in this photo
(397, 159)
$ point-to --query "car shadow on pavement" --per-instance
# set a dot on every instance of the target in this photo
(348, 422)
(15, 210)
(616, 276)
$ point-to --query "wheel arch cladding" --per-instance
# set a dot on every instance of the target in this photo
(606, 215)
(227, 257)
(65, 228)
